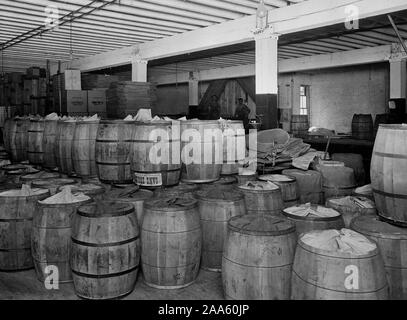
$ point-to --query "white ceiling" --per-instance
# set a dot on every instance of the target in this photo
(100, 26)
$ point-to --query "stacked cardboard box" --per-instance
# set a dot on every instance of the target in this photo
(97, 102)
(127, 97)
(69, 99)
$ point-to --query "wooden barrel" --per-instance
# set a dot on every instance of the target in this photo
(350, 208)
(299, 125)
(309, 184)
(49, 143)
(234, 146)
(83, 149)
(288, 186)
(153, 163)
(12, 132)
(94, 191)
(20, 148)
(105, 251)
(201, 153)
(51, 238)
(388, 173)
(6, 134)
(182, 190)
(258, 256)
(247, 176)
(262, 198)
(312, 222)
(113, 144)
(35, 136)
(66, 131)
(134, 196)
(322, 274)
(171, 238)
(16, 218)
(380, 119)
(337, 181)
(52, 184)
(362, 126)
(354, 161)
(216, 208)
(42, 175)
(14, 172)
(392, 242)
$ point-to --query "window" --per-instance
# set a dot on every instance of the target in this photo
(304, 100)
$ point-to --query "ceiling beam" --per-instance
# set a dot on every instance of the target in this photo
(303, 16)
(323, 61)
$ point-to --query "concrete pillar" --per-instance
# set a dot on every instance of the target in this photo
(138, 69)
(267, 76)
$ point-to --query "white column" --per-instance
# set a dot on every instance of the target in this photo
(193, 90)
(398, 78)
(138, 69)
(266, 61)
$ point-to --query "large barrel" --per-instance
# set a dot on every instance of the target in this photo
(309, 184)
(134, 196)
(19, 153)
(258, 257)
(324, 271)
(299, 125)
(49, 143)
(352, 207)
(314, 217)
(392, 242)
(362, 126)
(201, 151)
(171, 238)
(52, 184)
(354, 161)
(51, 238)
(262, 198)
(288, 185)
(16, 215)
(105, 251)
(234, 146)
(66, 131)
(388, 173)
(216, 208)
(155, 154)
(6, 134)
(35, 137)
(337, 181)
(12, 133)
(113, 144)
(83, 149)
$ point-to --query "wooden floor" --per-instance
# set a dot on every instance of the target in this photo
(25, 286)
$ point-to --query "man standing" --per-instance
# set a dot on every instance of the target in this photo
(242, 113)
(211, 111)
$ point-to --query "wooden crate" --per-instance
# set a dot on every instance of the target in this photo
(97, 101)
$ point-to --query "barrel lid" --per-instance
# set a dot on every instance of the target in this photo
(298, 172)
(311, 212)
(371, 225)
(53, 182)
(103, 209)
(259, 186)
(261, 225)
(402, 126)
(42, 175)
(14, 167)
(171, 204)
(280, 178)
(181, 188)
(18, 193)
(85, 188)
(82, 122)
(132, 193)
(37, 120)
(218, 194)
